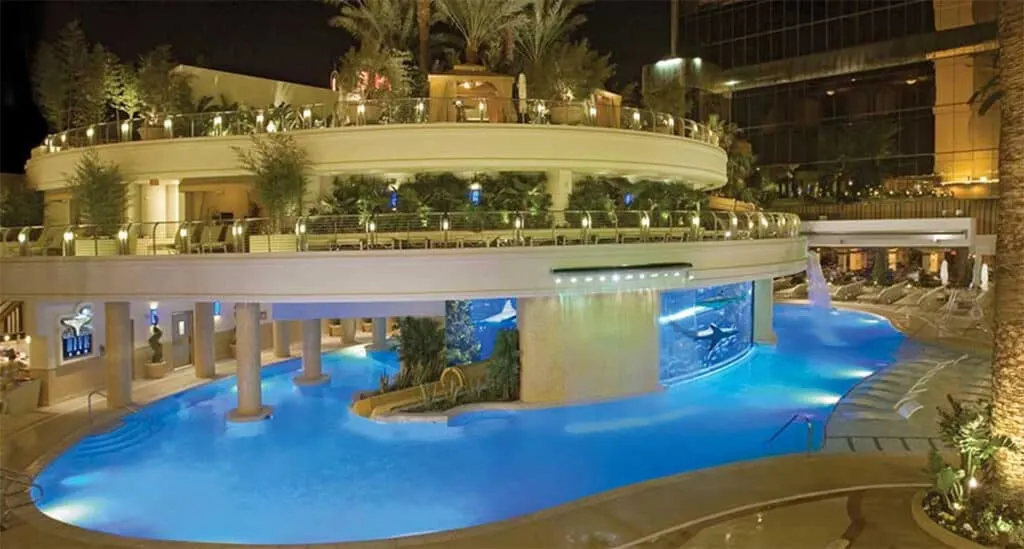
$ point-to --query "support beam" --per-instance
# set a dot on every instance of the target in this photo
(380, 334)
(247, 353)
(588, 347)
(282, 339)
(764, 303)
(119, 352)
(312, 372)
(203, 337)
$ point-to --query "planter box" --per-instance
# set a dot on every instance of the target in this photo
(567, 115)
(273, 243)
(157, 370)
(371, 113)
(23, 398)
(936, 530)
(95, 247)
(147, 133)
(334, 330)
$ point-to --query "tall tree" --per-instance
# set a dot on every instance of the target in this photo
(69, 78)
(482, 23)
(1008, 356)
(101, 192)
(377, 24)
(162, 90)
(545, 24)
(122, 88)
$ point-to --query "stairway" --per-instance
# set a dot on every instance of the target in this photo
(123, 436)
(11, 317)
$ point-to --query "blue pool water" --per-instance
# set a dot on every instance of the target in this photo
(316, 473)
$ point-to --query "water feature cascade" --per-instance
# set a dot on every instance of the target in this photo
(820, 297)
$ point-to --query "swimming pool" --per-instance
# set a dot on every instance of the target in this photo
(316, 473)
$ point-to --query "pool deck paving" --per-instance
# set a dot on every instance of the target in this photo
(709, 508)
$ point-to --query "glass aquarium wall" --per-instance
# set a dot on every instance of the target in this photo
(704, 329)
(471, 327)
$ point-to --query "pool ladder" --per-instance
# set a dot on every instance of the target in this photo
(15, 492)
(99, 392)
(806, 418)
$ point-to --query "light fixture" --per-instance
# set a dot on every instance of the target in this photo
(217, 120)
(361, 109)
(419, 106)
(307, 113)
(911, 81)
(90, 132)
(983, 179)
(593, 111)
(636, 116)
(22, 237)
(645, 221)
(63, 138)
(68, 235)
(122, 235)
(167, 123)
(731, 83)
(125, 127)
(183, 232)
(271, 127)
(585, 221)
(259, 119)
(236, 229)
(517, 222)
(830, 92)
(153, 305)
(371, 226)
(302, 227)
(445, 223)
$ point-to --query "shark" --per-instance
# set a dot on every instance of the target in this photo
(719, 302)
(701, 307)
(712, 333)
(507, 312)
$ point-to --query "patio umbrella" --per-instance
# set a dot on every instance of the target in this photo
(984, 277)
(521, 84)
(944, 272)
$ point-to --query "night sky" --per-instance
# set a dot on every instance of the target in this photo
(283, 39)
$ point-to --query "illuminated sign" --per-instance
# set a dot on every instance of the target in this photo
(76, 333)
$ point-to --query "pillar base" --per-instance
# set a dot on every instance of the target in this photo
(768, 339)
(237, 416)
(302, 380)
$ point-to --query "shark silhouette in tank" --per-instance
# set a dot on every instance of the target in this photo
(507, 312)
(712, 334)
(701, 307)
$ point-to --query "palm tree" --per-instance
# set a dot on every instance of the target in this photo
(482, 23)
(546, 23)
(1008, 355)
(377, 24)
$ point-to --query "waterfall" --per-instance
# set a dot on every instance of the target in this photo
(817, 288)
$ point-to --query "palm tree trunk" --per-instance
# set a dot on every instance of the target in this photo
(472, 53)
(1008, 359)
(423, 22)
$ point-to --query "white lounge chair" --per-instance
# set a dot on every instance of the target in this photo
(796, 292)
(887, 295)
(847, 292)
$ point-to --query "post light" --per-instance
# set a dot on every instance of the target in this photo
(445, 223)
(361, 109)
(125, 127)
(307, 113)
(22, 237)
(371, 226)
(593, 111)
(733, 221)
(63, 138)
(419, 106)
(168, 124)
(183, 232)
(69, 242)
(636, 117)
(217, 120)
(122, 235)
(585, 221)
(90, 132)
(695, 221)
(259, 119)
(645, 221)
(69, 235)
(271, 127)
(517, 222)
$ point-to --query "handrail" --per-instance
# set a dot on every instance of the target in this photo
(407, 111)
(810, 429)
(8, 478)
(309, 233)
(100, 392)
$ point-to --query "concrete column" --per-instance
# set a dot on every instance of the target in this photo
(247, 353)
(203, 337)
(348, 330)
(173, 201)
(380, 334)
(588, 347)
(312, 374)
(559, 186)
(282, 339)
(154, 201)
(118, 324)
(764, 301)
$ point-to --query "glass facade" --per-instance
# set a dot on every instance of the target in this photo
(704, 329)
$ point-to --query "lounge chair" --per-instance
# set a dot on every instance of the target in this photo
(848, 292)
(796, 292)
(885, 296)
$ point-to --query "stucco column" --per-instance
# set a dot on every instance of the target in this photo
(154, 202)
(348, 330)
(312, 373)
(282, 339)
(764, 302)
(173, 200)
(203, 337)
(559, 186)
(380, 334)
(118, 323)
(247, 353)
(588, 347)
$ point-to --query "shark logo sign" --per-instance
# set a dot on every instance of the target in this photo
(76, 333)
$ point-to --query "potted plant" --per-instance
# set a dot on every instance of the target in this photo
(20, 392)
(369, 77)
(101, 193)
(156, 367)
(280, 168)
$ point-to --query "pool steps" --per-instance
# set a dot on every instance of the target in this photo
(125, 435)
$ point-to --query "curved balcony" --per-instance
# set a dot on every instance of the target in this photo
(405, 135)
(395, 257)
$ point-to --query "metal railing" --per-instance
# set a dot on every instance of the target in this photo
(396, 231)
(15, 492)
(99, 392)
(806, 418)
(246, 121)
